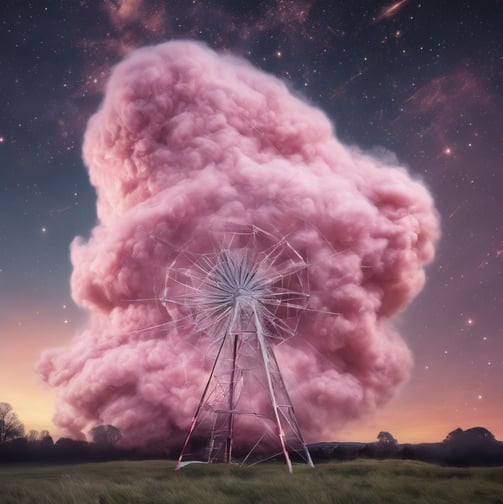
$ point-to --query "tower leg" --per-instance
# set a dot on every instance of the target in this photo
(272, 394)
(232, 387)
(198, 409)
(295, 426)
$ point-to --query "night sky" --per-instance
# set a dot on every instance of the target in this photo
(418, 78)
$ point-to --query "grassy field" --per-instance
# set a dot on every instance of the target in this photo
(152, 482)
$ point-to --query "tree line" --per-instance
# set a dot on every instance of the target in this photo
(17, 445)
(472, 447)
(476, 446)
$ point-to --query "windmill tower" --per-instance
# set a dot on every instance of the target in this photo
(248, 295)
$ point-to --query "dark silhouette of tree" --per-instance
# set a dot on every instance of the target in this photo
(106, 435)
(480, 434)
(10, 425)
(386, 439)
(33, 436)
(45, 440)
(476, 446)
(66, 449)
(453, 436)
(473, 436)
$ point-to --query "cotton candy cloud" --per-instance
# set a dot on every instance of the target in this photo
(185, 140)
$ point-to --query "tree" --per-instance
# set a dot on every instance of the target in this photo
(386, 439)
(475, 435)
(33, 436)
(10, 425)
(480, 434)
(69, 449)
(107, 435)
(46, 442)
(45, 439)
(454, 436)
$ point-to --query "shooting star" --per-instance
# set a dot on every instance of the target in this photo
(390, 11)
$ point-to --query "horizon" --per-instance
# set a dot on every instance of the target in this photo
(366, 432)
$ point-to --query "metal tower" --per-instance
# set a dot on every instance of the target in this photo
(248, 295)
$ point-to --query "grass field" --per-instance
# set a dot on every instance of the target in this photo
(152, 482)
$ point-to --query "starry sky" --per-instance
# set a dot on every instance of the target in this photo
(419, 78)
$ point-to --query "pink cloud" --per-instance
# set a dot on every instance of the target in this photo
(184, 140)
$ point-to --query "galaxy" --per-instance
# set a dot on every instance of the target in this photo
(366, 134)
